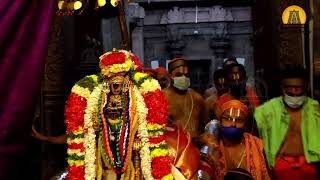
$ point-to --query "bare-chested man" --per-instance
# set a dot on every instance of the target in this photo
(186, 106)
(289, 126)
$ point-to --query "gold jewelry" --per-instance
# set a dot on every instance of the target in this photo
(116, 80)
(106, 87)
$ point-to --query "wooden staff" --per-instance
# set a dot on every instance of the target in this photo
(123, 26)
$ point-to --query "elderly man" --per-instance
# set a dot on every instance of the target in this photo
(289, 126)
(186, 106)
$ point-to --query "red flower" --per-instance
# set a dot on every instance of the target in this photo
(76, 146)
(161, 166)
(157, 107)
(113, 58)
(137, 62)
(76, 173)
(156, 140)
(74, 112)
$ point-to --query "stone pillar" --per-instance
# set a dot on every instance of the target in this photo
(111, 34)
(220, 44)
(138, 41)
(175, 40)
(136, 14)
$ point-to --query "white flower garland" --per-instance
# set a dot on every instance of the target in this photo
(89, 138)
(142, 110)
(149, 85)
(81, 91)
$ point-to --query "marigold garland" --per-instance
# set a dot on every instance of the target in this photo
(152, 119)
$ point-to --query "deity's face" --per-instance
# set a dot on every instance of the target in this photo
(294, 87)
(233, 117)
(180, 71)
(116, 85)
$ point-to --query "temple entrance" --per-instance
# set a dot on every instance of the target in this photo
(199, 74)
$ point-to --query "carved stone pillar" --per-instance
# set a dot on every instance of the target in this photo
(220, 44)
(136, 14)
(176, 43)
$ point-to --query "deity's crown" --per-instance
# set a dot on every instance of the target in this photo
(118, 61)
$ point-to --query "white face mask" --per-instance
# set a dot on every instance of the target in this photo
(294, 102)
(181, 83)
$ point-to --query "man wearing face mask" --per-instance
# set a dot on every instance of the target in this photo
(289, 126)
(186, 106)
(237, 151)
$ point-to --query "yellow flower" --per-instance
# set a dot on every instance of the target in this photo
(168, 177)
(94, 77)
(75, 162)
(79, 131)
(138, 76)
(159, 152)
(155, 126)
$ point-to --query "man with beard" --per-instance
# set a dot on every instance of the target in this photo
(186, 106)
(289, 126)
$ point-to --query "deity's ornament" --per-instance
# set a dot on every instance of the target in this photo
(117, 120)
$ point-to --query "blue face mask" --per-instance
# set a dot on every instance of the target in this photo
(232, 133)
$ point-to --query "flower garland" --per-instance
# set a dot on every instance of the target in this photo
(156, 121)
(118, 61)
(74, 111)
(143, 134)
(151, 108)
(89, 142)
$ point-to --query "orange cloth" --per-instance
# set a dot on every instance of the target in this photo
(234, 104)
(187, 155)
(255, 160)
(252, 97)
(161, 71)
(294, 168)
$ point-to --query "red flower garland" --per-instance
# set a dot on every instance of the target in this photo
(156, 140)
(157, 107)
(113, 58)
(161, 166)
(76, 173)
(74, 112)
(137, 62)
(76, 146)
